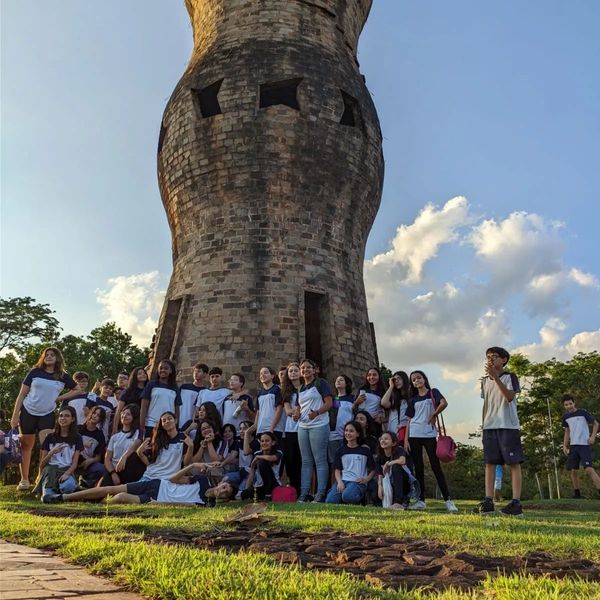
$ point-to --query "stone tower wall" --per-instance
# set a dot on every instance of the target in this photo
(270, 207)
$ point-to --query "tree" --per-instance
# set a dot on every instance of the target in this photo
(22, 319)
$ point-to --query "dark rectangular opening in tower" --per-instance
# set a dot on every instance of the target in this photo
(351, 115)
(313, 324)
(164, 346)
(280, 92)
(206, 100)
(161, 137)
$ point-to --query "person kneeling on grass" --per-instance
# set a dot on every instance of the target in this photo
(354, 468)
(184, 487)
(265, 470)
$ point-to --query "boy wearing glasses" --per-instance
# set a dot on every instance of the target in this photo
(501, 430)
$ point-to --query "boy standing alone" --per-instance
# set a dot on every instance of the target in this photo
(501, 429)
(578, 442)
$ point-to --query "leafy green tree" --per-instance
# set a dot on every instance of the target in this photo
(23, 319)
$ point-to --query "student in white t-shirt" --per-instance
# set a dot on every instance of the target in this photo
(265, 469)
(369, 396)
(35, 405)
(424, 406)
(121, 462)
(160, 395)
(216, 393)
(84, 400)
(189, 396)
(395, 400)
(340, 414)
(238, 406)
(291, 382)
(269, 405)
(108, 402)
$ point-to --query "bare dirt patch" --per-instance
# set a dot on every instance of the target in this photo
(382, 560)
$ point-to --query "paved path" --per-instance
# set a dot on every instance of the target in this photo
(28, 574)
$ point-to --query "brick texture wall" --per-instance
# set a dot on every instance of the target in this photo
(267, 204)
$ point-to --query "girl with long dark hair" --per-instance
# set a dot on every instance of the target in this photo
(90, 466)
(339, 415)
(291, 384)
(159, 396)
(265, 469)
(391, 459)
(35, 405)
(395, 400)
(369, 396)
(424, 406)
(132, 394)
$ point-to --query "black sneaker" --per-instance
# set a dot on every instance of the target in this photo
(485, 508)
(52, 499)
(513, 509)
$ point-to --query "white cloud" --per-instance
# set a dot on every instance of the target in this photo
(416, 244)
(133, 302)
(516, 264)
(585, 341)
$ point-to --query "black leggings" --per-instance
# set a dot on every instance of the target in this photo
(134, 469)
(416, 452)
(269, 482)
(400, 485)
(292, 459)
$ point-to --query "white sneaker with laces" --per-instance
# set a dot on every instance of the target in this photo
(451, 507)
(418, 505)
(23, 485)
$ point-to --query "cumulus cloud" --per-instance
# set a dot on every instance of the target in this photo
(513, 265)
(133, 302)
(416, 244)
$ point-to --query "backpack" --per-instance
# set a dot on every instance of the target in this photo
(284, 493)
(12, 447)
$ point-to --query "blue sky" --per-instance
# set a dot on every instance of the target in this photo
(491, 120)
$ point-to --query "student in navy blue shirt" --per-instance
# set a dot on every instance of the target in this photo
(421, 434)
(160, 395)
(35, 405)
(578, 442)
(132, 394)
(354, 468)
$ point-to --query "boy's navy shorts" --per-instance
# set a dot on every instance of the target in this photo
(579, 456)
(502, 447)
(146, 489)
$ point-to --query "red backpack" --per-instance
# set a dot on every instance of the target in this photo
(284, 493)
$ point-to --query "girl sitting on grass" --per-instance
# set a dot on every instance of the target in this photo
(265, 469)
(121, 462)
(90, 467)
(60, 455)
(391, 460)
(354, 468)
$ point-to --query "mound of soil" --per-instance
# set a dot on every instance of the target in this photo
(382, 560)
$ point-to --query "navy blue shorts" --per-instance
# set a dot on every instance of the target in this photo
(29, 423)
(579, 456)
(146, 489)
(502, 447)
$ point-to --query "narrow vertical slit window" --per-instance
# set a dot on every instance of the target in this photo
(161, 137)
(206, 100)
(351, 116)
(280, 92)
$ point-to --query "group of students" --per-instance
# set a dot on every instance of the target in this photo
(143, 440)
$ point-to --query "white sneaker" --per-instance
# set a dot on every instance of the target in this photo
(418, 505)
(397, 507)
(451, 506)
(23, 485)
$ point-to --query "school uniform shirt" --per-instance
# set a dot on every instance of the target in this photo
(267, 402)
(578, 423)
(354, 463)
(226, 450)
(276, 466)
(419, 409)
(64, 458)
(189, 396)
(79, 403)
(119, 443)
(245, 460)
(217, 397)
(343, 404)
(181, 493)
(169, 459)
(133, 396)
(372, 403)
(44, 390)
(230, 406)
(162, 398)
(311, 398)
(291, 426)
(109, 405)
(397, 452)
(94, 441)
(498, 413)
(397, 417)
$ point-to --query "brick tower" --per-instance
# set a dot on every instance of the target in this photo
(270, 169)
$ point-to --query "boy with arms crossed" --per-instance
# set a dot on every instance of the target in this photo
(501, 430)
(578, 442)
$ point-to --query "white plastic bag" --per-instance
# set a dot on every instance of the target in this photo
(388, 492)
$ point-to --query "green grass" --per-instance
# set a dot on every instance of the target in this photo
(116, 546)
